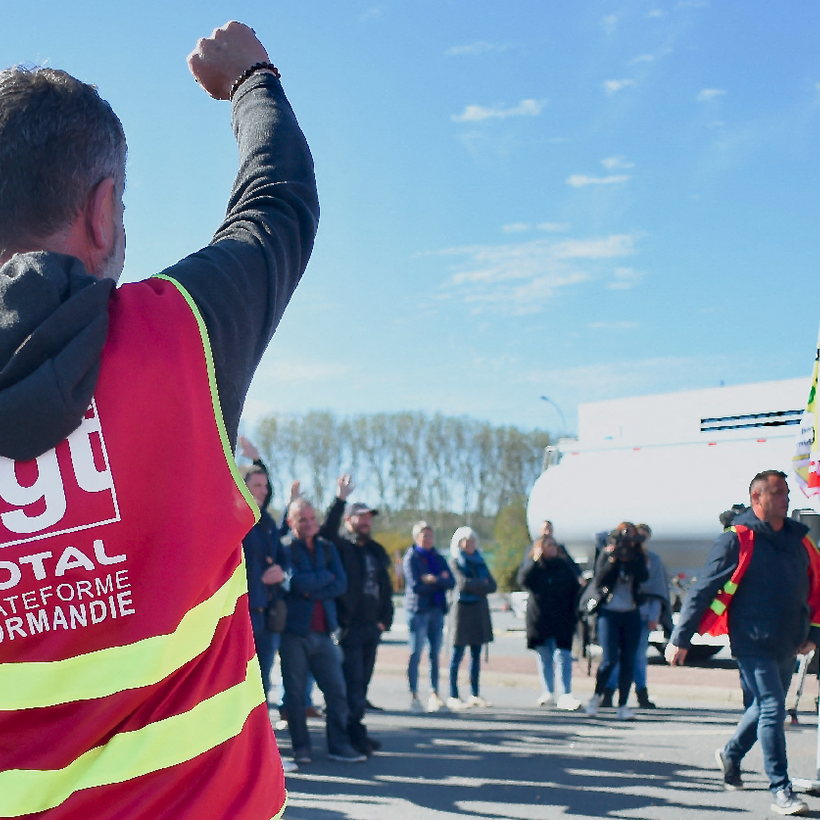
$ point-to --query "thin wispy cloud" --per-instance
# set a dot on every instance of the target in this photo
(610, 22)
(656, 14)
(614, 86)
(617, 162)
(300, 370)
(630, 378)
(475, 49)
(642, 58)
(582, 180)
(625, 279)
(480, 113)
(547, 227)
(709, 94)
(522, 277)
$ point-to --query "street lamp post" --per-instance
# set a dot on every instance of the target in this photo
(560, 412)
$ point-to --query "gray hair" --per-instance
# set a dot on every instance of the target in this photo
(419, 528)
(58, 140)
(462, 534)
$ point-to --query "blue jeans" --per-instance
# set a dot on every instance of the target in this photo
(315, 653)
(618, 634)
(639, 673)
(475, 665)
(267, 645)
(551, 657)
(768, 680)
(425, 627)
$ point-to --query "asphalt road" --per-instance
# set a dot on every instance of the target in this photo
(516, 760)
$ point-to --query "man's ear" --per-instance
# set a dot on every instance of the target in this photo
(99, 217)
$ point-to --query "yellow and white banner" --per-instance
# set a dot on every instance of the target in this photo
(806, 460)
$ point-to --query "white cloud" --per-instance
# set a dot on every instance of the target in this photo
(610, 21)
(616, 162)
(581, 180)
(642, 58)
(656, 13)
(553, 227)
(475, 49)
(613, 86)
(521, 278)
(709, 94)
(479, 113)
(625, 279)
(516, 227)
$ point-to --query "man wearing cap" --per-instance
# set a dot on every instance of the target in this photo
(365, 610)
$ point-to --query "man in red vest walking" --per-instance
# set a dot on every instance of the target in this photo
(129, 686)
(762, 586)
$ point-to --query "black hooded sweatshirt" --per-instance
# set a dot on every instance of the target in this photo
(54, 315)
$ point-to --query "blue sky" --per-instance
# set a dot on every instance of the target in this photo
(578, 200)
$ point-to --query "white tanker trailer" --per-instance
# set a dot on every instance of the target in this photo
(674, 461)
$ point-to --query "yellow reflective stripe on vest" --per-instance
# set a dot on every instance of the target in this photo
(117, 668)
(127, 755)
(730, 587)
(217, 406)
(718, 607)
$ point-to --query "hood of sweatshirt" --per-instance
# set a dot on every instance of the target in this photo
(750, 520)
(53, 326)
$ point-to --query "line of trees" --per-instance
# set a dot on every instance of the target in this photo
(403, 461)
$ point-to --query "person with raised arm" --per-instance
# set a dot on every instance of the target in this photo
(142, 673)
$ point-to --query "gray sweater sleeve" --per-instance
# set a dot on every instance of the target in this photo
(243, 280)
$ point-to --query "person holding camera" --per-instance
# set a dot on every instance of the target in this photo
(614, 597)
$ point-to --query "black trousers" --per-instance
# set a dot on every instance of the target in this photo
(359, 643)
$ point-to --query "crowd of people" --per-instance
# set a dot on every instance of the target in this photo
(321, 595)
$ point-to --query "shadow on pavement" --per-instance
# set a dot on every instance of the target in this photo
(529, 764)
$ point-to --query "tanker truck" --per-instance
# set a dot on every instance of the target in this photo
(674, 461)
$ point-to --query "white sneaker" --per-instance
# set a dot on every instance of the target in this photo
(415, 705)
(593, 705)
(625, 713)
(477, 700)
(545, 700)
(435, 703)
(289, 766)
(455, 704)
(568, 702)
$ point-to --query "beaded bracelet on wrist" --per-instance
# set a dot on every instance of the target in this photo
(248, 72)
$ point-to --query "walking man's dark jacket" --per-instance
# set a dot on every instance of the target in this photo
(769, 613)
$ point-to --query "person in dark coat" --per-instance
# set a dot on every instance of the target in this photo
(551, 618)
(365, 610)
(614, 595)
(469, 619)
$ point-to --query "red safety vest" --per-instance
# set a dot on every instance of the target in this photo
(715, 620)
(129, 685)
